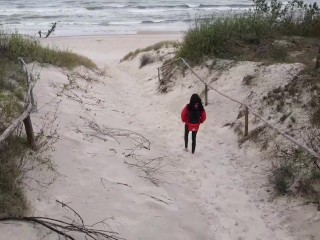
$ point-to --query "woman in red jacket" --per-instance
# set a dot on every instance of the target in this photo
(193, 115)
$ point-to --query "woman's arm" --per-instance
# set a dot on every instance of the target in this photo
(203, 116)
(184, 114)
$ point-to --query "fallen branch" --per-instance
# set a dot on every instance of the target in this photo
(117, 183)
(65, 205)
(155, 198)
(53, 28)
(65, 229)
(151, 168)
(106, 133)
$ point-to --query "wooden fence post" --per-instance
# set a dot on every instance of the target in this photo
(206, 94)
(182, 69)
(29, 131)
(159, 74)
(246, 126)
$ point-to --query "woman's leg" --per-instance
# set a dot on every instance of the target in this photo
(186, 133)
(194, 136)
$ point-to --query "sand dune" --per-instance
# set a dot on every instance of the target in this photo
(220, 192)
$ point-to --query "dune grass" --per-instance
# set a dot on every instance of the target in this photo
(238, 36)
(154, 47)
(12, 199)
(12, 77)
(15, 45)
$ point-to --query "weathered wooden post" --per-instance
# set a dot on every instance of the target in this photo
(206, 94)
(29, 132)
(182, 69)
(246, 125)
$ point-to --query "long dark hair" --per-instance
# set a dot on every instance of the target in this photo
(195, 100)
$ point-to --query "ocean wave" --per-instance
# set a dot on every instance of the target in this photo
(178, 6)
(159, 21)
(110, 15)
(140, 22)
(189, 6)
(116, 6)
(217, 6)
(121, 23)
(163, 6)
(22, 6)
(95, 8)
(42, 17)
(188, 20)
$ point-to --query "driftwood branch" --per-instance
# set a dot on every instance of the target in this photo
(150, 168)
(65, 205)
(157, 199)
(106, 133)
(53, 28)
(117, 183)
(64, 229)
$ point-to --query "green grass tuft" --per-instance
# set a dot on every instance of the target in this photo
(12, 199)
(154, 47)
(15, 45)
(251, 33)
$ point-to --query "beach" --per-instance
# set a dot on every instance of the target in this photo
(98, 17)
(217, 193)
(108, 49)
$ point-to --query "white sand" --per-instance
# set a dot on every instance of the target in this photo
(220, 192)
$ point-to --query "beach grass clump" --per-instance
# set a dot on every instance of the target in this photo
(314, 104)
(295, 164)
(154, 47)
(12, 198)
(14, 46)
(13, 89)
(146, 59)
(241, 35)
(282, 177)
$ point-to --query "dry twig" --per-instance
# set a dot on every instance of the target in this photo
(64, 229)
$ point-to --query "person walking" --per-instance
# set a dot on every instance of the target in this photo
(193, 114)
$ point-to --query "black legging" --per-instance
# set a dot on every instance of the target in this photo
(186, 134)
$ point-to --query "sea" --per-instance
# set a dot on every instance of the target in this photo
(103, 17)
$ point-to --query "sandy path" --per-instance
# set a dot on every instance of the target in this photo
(217, 193)
(220, 178)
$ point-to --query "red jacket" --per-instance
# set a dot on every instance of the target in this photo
(185, 119)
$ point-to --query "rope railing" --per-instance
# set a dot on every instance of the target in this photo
(247, 110)
(25, 116)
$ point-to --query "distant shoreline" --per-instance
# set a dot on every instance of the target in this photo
(116, 35)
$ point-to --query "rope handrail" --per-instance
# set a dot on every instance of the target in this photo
(168, 64)
(298, 143)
